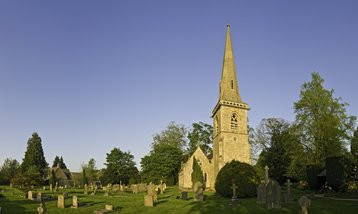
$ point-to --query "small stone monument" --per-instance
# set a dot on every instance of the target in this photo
(41, 209)
(234, 199)
(273, 195)
(134, 188)
(184, 196)
(161, 187)
(74, 202)
(304, 203)
(266, 174)
(51, 187)
(154, 193)
(56, 187)
(39, 197)
(94, 191)
(198, 191)
(261, 194)
(288, 196)
(109, 207)
(148, 200)
(60, 201)
(30, 195)
(85, 189)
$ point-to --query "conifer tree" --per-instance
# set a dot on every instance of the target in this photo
(34, 155)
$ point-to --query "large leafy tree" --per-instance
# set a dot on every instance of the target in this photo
(91, 170)
(354, 145)
(34, 155)
(59, 160)
(163, 162)
(322, 121)
(174, 135)
(8, 170)
(120, 166)
(281, 150)
(201, 134)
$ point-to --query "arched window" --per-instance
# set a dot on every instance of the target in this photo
(234, 119)
(217, 124)
(232, 84)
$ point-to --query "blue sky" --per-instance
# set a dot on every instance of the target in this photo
(92, 75)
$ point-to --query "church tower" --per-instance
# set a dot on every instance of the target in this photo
(230, 117)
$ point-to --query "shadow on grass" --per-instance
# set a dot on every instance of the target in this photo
(13, 206)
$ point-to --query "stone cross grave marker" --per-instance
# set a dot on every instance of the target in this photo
(266, 174)
(234, 187)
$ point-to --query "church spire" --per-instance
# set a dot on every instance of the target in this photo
(228, 85)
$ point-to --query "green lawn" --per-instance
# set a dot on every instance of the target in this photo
(13, 203)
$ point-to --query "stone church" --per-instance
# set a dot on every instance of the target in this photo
(229, 126)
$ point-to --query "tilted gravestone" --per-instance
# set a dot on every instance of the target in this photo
(198, 191)
(74, 202)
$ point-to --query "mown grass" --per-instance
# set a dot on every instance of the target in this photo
(13, 202)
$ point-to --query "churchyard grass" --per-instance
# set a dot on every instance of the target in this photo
(124, 202)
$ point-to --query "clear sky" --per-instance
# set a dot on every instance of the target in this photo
(89, 76)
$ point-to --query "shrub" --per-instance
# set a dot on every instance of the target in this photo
(242, 174)
(335, 173)
(312, 179)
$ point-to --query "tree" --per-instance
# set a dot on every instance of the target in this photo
(119, 167)
(281, 150)
(197, 174)
(91, 170)
(322, 121)
(53, 178)
(30, 177)
(84, 177)
(174, 135)
(34, 155)
(201, 134)
(8, 170)
(354, 145)
(163, 162)
(59, 160)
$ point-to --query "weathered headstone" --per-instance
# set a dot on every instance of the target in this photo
(60, 201)
(273, 195)
(94, 191)
(86, 189)
(51, 187)
(109, 207)
(56, 187)
(198, 191)
(30, 195)
(154, 194)
(261, 194)
(39, 197)
(288, 196)
(134, 188)
(148, 200)
(41, 209)
(161, 187)
(184, 195)
(304, 203)
(74, 202)
(164, 187)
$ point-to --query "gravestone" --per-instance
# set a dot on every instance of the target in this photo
(41, 209)
(94, 191)
(60, 201)
(86, 189)
(198, 191)
(148, 201)
(154, 194)
(30, 195)
(56, 187)
(184, 195)
(109, 207)
(50, 187)
(266, 174)
(261, 194)
(39, 197)
(234, 199)
(161, 187)
(288, 196)
(273, 195)
(304, 203)
(164, 187)
(74, 202)
(134, 188)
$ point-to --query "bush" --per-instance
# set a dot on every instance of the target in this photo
(242, 174)
(335, 173)
(312, 179)
(197, 174)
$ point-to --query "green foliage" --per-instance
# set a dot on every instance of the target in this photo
(281, 150)
(242, 174)
(354, 144)
(91, 170)
(312, 179)
(322, 121)
(197, 174)
(84, 177)
(335, 173)
(28, 178)
(53, 178)
(201, 134)
(8, 170)
(119, 167)
(163, 162)
(174, 135)
(59, 160)
(34, 155)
